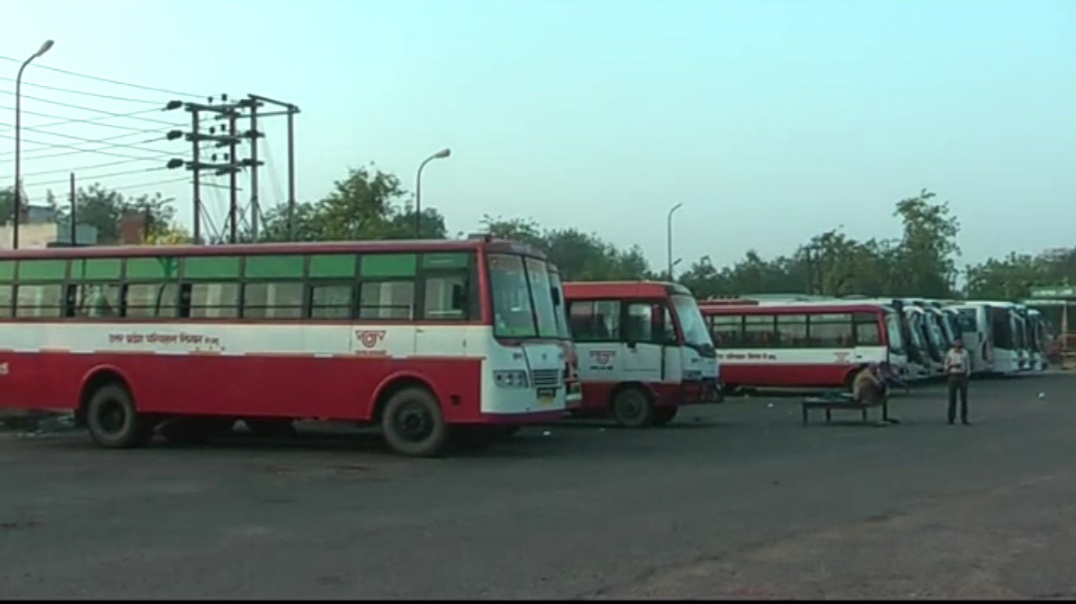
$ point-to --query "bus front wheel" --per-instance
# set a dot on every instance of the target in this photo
(664, 415)
(113, 420)
(632, 408)
(413, 425)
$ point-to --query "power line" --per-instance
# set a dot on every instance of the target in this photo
(79, 169)
(82, 139)
(96, 140)
(80, 149)
(100, 176)
(107, 80)
(154, 183)
(97, 121)
(86, 93)
(85, 108)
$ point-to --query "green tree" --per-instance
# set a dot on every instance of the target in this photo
(579, 256)
(365, 205)
(926, 264)
(105, 208)
(705, 280)
(523, 230)
(7, 205)
(1013, 277)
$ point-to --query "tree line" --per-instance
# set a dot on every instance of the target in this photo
(371, 204)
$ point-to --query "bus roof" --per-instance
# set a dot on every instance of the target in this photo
(788, 308)
(329, 247)
(623, 289)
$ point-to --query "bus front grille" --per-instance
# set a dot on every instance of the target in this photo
(545, 378)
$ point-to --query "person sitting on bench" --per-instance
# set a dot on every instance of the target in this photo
(869, 387)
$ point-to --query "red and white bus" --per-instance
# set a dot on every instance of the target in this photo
(644, 350)
(431, 340)
(802, 344)
(572, 385)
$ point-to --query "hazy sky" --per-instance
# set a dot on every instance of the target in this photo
(770, 120)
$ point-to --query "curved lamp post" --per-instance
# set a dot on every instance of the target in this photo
(443, 153)
(18, 143)
(668, 223)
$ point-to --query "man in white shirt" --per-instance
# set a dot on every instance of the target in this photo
(958, 369)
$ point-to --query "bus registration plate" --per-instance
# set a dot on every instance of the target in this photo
(546, 397)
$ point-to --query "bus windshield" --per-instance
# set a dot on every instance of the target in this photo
(562, 309)
(892, 327)
(1001, 328)
(914, 329)
(522, 299)
(696, 334)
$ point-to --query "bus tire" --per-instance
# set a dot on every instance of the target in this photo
(633, 408)
(113, 421)
(664, 415)
(413, 425)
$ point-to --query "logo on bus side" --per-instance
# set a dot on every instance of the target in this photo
(842, 357)
(600, 359)
(371, 337)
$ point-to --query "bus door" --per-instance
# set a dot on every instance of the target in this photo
(644, 335)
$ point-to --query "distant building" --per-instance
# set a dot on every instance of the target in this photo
(41, 228)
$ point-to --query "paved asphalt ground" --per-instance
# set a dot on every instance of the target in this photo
(737, 500)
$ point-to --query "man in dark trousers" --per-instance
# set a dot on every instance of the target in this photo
(958, 369)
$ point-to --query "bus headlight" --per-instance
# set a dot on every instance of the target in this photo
(511, 379)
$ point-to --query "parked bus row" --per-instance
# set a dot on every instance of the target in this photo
(795, 342)
(435, 342)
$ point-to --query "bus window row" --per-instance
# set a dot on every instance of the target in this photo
(613, 321)
(435, 297)
(834, 330)
(231, 268)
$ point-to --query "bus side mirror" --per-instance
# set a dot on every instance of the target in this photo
(556, 296)
(459, 297)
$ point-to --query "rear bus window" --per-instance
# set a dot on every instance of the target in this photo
(867, 331)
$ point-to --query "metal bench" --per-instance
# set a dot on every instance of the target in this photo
(842, 402)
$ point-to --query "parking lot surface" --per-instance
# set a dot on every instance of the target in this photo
(735, 500)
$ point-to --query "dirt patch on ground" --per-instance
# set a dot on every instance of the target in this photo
(944, 549)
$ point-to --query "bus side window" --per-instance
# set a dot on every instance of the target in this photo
(97, 300)
(595, 321)
(661, 324)
(639, 323)
(150, 300)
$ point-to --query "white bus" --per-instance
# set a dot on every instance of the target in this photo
(989, 334)
(924, 326)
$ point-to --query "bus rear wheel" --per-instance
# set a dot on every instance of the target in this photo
(413, 425)
(632, 408)
(113, 420)
(664, 415)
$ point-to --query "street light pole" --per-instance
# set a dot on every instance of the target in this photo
(443, 153)
(18, 143)
(668, 223)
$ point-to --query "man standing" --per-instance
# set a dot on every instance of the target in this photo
(958, 368)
